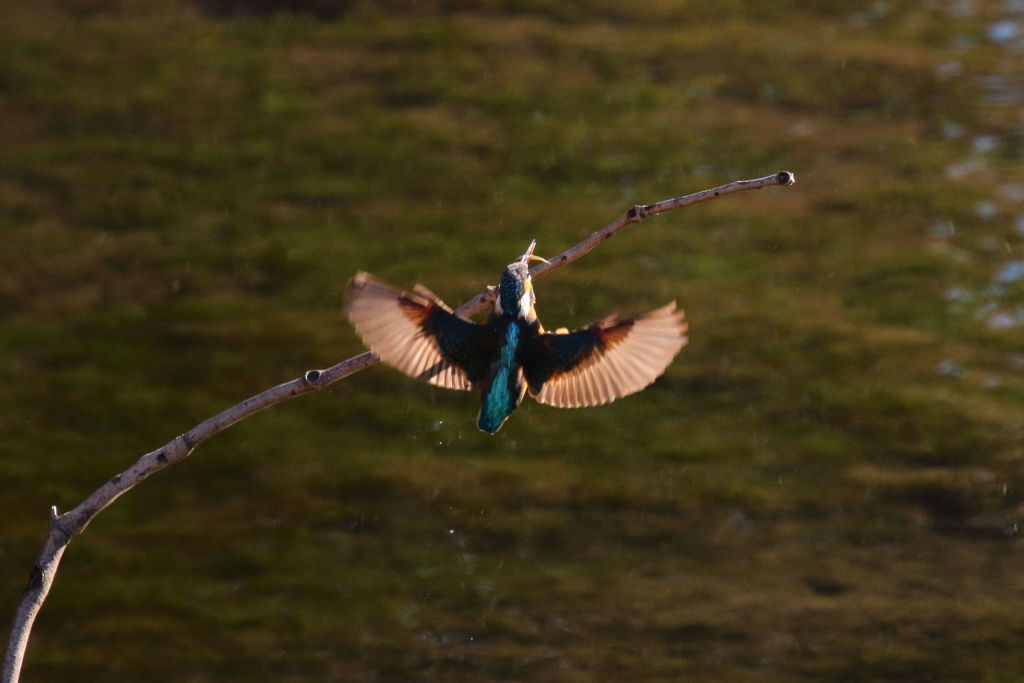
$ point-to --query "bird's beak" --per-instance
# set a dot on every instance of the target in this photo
(530, 256)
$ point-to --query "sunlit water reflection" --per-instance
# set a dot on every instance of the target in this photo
(995, 303)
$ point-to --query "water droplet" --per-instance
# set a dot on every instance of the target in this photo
(986, 310)
(958, 170)
(986, 210)
(984, 143)
(1011, 272)
(1003, 31)
(960, 294)
(1003, 320)
(949, 368)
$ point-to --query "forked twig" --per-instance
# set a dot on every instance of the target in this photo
(64, 527)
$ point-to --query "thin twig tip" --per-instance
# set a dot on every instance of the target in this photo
(786, 178)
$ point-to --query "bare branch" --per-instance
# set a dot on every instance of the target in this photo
(64, 527)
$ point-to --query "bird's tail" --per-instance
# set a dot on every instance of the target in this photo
(502, 393)
(490, 422)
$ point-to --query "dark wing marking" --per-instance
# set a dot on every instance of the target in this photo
(418, 334)
(604, 361)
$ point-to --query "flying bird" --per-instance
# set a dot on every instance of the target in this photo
(511, 353)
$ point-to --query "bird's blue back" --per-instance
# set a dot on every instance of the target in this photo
(504, 393)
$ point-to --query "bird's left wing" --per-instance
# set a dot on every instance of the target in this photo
(604, 361)
(418, 334)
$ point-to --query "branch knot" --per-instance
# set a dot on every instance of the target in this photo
(35, 579)
(637, 212)
(55, 524)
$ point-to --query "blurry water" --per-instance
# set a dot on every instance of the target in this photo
(994, 150)
(826, 484)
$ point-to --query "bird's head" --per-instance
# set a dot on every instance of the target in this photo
(515, 291)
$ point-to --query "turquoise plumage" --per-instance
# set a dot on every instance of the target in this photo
(503, 394)
(511, 354)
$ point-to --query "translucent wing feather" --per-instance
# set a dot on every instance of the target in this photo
(418, 334)
(604, 361)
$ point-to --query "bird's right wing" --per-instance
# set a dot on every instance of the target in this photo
(604, 361)
(418, 334)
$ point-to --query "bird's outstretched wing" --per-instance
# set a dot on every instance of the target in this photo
(418, 334)
(604, 361)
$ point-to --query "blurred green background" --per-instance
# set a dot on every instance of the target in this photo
(826, 484)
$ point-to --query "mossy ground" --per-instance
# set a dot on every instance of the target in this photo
(826, 485)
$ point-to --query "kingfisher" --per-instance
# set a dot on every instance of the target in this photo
(510, 353)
